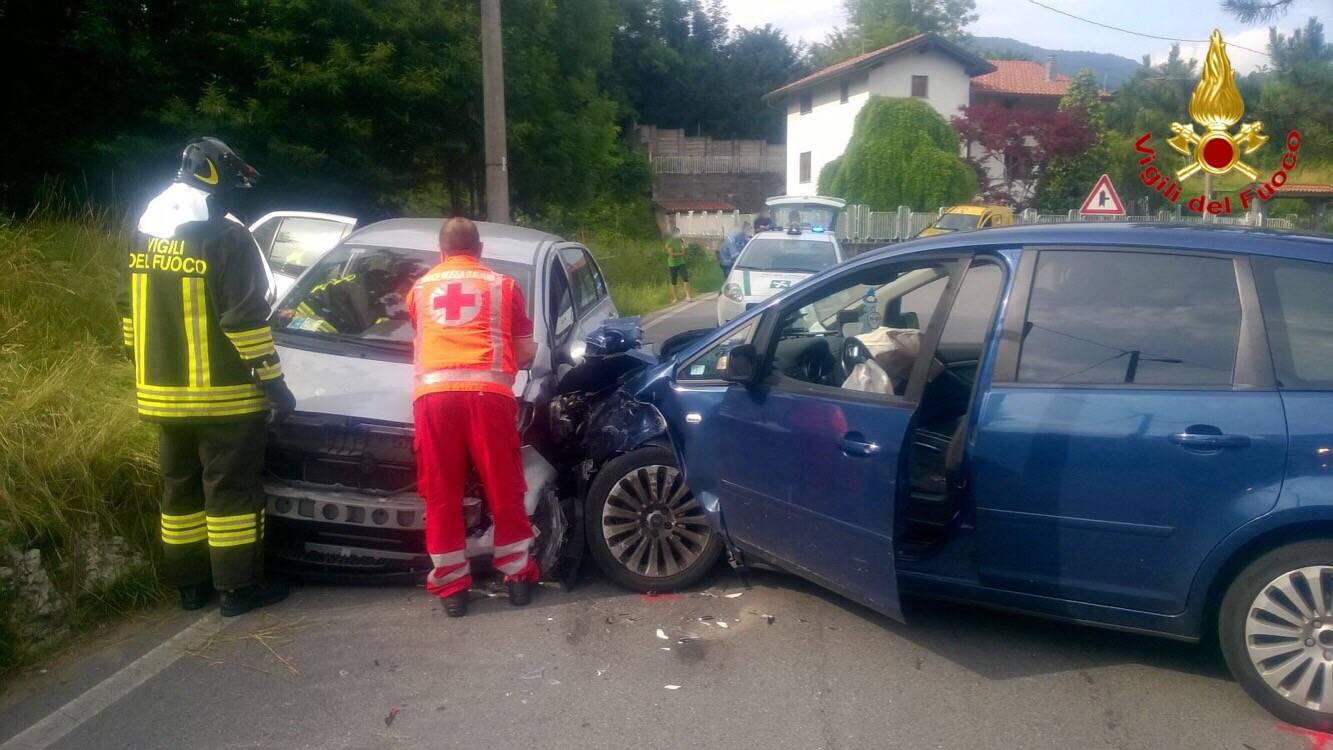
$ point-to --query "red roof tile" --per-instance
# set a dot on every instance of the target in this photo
(1021, 77)
(679, 205)
(970, 61)
(1312, 189)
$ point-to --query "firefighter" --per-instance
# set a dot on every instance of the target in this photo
(194, 311)
(473, 334)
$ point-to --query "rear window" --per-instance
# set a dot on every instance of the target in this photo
(794, 255)
(1297, 300)
(1131, 318)
(360, 293)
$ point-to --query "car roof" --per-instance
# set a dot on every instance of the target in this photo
(1223, 239)
(499, 241)
(781, 234)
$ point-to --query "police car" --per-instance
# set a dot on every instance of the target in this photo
(773, 261)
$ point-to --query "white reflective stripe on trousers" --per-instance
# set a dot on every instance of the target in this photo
(510, 549)
(447, 559)
(449, 577)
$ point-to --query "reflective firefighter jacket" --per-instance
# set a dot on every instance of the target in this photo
(194, 313)
(466, 318)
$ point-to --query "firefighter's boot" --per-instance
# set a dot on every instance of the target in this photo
(242, 600)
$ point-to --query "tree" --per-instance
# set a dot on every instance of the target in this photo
(901, 153)
(872, 24)
(1252, 11)
(1069, 177)
(1296, 92)
(1022, 143)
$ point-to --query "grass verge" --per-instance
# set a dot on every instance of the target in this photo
(636, 271)
(78, 470)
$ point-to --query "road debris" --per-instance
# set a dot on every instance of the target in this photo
(770, 619)
(666, 648)
(721, 624)
(672, 687)
(662, 634)
(393, 714)
(535, 674)
(735, 595)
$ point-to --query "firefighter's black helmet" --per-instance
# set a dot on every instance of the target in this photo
(211, 165)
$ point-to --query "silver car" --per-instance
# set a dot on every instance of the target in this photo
(341, 478)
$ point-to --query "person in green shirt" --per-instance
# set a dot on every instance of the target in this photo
(675, 252)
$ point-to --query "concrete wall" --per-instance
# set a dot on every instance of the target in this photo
(745, 190)
(825, 131)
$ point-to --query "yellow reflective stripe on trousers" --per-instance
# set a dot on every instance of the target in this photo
(127, 329)
(187, 518)
(187, 537)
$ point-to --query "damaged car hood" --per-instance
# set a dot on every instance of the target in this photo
(353, 386)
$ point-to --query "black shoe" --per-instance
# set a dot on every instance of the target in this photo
(242, 600)
(196, 597)
(455, 605)
(520, 593)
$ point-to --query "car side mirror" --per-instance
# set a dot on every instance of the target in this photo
(742, 364)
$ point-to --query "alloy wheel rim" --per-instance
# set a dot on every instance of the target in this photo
(653, 524)
(1289, 636)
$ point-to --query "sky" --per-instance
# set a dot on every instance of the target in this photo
(810, 20)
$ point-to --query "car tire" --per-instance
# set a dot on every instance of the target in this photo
(645, 529)
(1276, 633)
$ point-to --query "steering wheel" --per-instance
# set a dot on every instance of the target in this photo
(853, 353)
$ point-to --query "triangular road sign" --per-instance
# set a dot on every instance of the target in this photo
(1103, 200)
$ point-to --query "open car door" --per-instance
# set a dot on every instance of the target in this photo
(291, 242)
(804, 460)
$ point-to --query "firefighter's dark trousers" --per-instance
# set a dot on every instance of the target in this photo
(213, 503)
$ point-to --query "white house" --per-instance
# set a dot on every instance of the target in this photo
(822, 107)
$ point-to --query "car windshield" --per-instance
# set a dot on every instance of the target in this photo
(959, 222)
(793, 255)
(358, 293)
(807, 215)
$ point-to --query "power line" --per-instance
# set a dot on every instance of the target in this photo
(1139, 33)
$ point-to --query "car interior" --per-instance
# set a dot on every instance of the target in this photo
(866, 336)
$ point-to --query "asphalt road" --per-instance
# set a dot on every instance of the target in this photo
(362, 667)
(764, 661)
(701, 312)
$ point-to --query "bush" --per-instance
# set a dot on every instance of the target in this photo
(77, 467)
(902, 153)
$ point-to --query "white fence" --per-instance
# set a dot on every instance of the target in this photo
(718, 164)
(710, 224)
(859, 224)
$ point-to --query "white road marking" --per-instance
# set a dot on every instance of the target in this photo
(74, 714)
(673, 313)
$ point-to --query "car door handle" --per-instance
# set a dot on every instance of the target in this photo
(1202, 441)
(854, 444)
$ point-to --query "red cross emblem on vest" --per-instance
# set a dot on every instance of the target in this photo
(455, 303)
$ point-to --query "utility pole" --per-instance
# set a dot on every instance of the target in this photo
(493, 112)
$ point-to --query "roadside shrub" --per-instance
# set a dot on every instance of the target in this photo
(78, 476)
(902, 153)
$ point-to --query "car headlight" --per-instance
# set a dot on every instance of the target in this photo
(733, 292)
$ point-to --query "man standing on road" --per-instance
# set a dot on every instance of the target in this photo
(473, 334)
(194, 311)
(731, 249)
(675, 252)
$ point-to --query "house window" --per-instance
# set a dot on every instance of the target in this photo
(807, 103)
(805, 167)
(920, 86)
(846, 91)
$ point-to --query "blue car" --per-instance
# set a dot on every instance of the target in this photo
(1117, 425)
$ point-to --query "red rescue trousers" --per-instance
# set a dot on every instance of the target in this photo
(454, 428)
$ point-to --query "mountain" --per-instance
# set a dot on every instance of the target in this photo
(1111, 70)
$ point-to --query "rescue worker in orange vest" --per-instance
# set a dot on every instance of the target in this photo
(473, 334)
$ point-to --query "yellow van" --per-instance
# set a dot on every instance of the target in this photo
(969, 217)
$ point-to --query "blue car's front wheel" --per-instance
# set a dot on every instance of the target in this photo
(645, 528)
